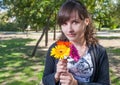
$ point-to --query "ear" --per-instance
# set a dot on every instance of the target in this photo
(87, 21)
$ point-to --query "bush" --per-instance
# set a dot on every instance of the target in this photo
(8, 27)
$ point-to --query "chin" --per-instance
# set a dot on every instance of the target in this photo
(72, 39)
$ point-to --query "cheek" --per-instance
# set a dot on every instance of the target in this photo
(78, 29)
(63, 29)
(81, 28)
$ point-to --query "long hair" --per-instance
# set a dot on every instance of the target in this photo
(64, 15)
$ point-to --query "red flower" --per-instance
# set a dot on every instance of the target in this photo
(74, 53)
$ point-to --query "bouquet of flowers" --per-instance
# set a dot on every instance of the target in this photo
(63, 50)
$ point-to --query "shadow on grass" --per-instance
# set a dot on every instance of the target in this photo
(114, 51)
(115, 80)
(108, 38)
(16, 63)
(114, 60)
(21, 83)
(41, 54)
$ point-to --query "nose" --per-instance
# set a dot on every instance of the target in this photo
(70, 28)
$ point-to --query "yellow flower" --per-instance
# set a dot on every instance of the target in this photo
(60, 51)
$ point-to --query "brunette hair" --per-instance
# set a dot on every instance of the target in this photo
(64, 15)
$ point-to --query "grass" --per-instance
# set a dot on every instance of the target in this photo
(18, 68)
(115, 51)
(16, 65)
(115, 80)
(108, 38)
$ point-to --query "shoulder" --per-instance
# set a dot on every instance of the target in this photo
(52, 45)
(98, 48)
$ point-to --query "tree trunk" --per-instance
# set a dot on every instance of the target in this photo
(54, 37)
(34, 51)
(99, 28)
(46, 37)
(54, 32)
(44, 30)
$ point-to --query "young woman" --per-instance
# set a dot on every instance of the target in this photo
(87, 63)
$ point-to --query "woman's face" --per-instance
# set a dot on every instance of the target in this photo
(74, 28)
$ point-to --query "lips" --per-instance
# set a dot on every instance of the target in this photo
(70, 35)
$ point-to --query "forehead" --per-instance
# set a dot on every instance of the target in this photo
(68, 14)
(74, 15)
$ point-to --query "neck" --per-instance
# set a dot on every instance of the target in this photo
(81, 47)
(79, 43)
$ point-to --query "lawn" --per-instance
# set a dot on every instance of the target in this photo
(17, 67)
(114, 60)
(113, 50)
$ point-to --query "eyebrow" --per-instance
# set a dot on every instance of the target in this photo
(77, 19)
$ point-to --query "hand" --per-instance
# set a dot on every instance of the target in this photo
(61, 68)
(67, 79)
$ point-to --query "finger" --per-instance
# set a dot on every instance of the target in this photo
(61, 70)
(64, 60)
(62, 67)
(66, 76)
(61, 62)
(63, 76)
(64, 82)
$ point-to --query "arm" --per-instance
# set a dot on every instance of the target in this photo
(103, 66)
(53, 69)
(49, 71)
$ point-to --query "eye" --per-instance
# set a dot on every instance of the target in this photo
(64, 23)
(75, 22)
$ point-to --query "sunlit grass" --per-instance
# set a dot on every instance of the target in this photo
(108, 37)
(115, 80)
(17, 67)
(40, 74)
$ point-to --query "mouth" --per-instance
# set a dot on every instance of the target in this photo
(70, 35)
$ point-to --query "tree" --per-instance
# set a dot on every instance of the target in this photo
(115, 14)
(41, 14)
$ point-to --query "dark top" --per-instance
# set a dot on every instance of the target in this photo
(100, 74)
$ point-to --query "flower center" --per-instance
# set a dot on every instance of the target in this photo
(60, 51)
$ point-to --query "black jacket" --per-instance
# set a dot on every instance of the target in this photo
(100, 67)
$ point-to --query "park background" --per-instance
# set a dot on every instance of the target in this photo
(29, 27)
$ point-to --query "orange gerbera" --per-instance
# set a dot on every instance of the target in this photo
(66, 43)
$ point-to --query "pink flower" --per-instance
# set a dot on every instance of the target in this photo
(74, 53)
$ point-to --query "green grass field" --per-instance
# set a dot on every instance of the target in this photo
(17, 67)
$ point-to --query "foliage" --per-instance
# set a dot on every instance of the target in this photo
(8, 27)
(32, 12)
(36, 12)
(115, 14)
(104, 13)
